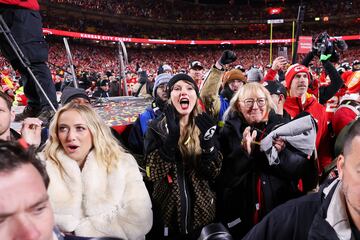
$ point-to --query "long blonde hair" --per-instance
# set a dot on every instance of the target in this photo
(106, 148)
(245, 91)
(189, 141)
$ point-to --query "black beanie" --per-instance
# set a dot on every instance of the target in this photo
(183, 77)
(69, 93)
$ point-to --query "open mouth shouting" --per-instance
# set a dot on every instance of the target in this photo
(184, 103)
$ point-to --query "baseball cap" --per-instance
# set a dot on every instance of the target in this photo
(196, 65)
(275, 87)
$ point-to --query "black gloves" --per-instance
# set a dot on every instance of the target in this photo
(207, 126)
(171, 141)
(227, 57)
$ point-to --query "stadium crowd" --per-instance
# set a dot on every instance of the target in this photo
(248, 110)
(177, 10)
(95, 60)
(229, 147)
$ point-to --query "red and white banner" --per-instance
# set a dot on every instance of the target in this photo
(305, 44)
(48, 31)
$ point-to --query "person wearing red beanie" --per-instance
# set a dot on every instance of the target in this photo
(294, 70)
(297, 83)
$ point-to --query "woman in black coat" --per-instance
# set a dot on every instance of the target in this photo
(182, 160)
(248, 187)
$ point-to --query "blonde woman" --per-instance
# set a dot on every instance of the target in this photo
(182, 159)
(249, 187)
(95, 188)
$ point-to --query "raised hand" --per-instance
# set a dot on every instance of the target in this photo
(31, 131)
(227, 57)
(279, 63)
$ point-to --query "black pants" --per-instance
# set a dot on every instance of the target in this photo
(26, 28)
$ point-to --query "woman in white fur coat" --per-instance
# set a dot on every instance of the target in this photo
(96, 188)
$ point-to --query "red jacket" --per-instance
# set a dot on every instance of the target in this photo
(270, 75)
(30, 4)
(342, 117)
(293, 106)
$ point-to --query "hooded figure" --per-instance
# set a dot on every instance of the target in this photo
(136, 137)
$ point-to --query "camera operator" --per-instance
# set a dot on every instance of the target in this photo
(325, 49)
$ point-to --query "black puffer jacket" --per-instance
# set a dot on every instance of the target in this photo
(248, 188)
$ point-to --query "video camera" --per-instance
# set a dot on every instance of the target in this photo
(324, 44)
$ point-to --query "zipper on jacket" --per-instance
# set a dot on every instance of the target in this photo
(186, 203)
(184, 198)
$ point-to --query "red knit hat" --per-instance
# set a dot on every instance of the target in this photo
(292, 71)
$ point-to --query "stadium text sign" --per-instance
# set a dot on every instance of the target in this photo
(48, 31)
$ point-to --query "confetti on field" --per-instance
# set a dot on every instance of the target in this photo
(118, 111)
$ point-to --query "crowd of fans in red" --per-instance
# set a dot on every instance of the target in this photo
(96, 58)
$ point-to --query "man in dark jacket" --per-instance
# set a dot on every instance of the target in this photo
(103, 90)
(278, 94)
(24, 20)
(137, 134)
(331, 213)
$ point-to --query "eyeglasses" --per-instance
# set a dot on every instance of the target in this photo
(249, 102)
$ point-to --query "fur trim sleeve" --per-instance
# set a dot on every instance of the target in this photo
(210, 91)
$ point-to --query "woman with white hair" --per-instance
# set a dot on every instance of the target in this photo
(248, 186)
(95, 188)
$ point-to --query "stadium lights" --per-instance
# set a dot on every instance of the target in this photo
(274, 10)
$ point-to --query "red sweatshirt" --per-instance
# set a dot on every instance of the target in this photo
(293, 106)
(30, 4)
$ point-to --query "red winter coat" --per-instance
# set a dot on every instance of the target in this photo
(293, 106)
(343, 116)
(30, 4)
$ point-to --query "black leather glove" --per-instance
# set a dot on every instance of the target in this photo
(207, 126)
(227, 57)
(172, 124)
(173, 127)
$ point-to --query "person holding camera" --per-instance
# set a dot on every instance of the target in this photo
(277, 70)
(326, 50)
